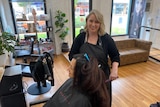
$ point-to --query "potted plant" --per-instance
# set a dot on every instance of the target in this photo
(62, 29)
(7, 41)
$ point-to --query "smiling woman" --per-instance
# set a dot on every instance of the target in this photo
(97, 43)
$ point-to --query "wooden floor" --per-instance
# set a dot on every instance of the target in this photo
(155, 54)
(138, 84)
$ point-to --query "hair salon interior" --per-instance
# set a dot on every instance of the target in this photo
(120, 16)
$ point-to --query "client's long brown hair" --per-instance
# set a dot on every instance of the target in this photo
(90, 80)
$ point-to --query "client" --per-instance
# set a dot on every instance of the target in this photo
(86, 86)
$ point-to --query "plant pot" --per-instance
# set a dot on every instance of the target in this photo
(3, 61)
(65, 47)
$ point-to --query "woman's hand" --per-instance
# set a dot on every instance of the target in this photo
(114, 71)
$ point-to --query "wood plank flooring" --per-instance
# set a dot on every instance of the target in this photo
(138, 84)
(155, 54)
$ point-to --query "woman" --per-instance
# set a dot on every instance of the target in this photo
(85, 88)
(95, 42)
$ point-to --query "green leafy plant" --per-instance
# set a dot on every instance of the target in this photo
(7, 41)
(60, 22)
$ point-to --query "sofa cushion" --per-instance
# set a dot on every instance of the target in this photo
(128, 43)
(131, 51)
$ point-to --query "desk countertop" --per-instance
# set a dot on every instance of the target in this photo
(13, 70)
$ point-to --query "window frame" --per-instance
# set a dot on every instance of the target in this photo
(73, 15)
(129, 18)
(13, 17)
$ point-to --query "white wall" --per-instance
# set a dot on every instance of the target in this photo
(65, 6)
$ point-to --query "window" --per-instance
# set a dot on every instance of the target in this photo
(80, 9)
(25, 23)
(120, 17)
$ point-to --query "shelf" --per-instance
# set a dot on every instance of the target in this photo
(38, 32)
(28, 29)
(29, 21)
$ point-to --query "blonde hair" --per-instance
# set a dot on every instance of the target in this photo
(99, 18)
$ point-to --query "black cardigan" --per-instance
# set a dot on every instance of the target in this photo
(108, 45)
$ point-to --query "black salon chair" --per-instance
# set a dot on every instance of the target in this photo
(25, 53)
(42, 73)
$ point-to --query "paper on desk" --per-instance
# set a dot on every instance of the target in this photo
(1, 72)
